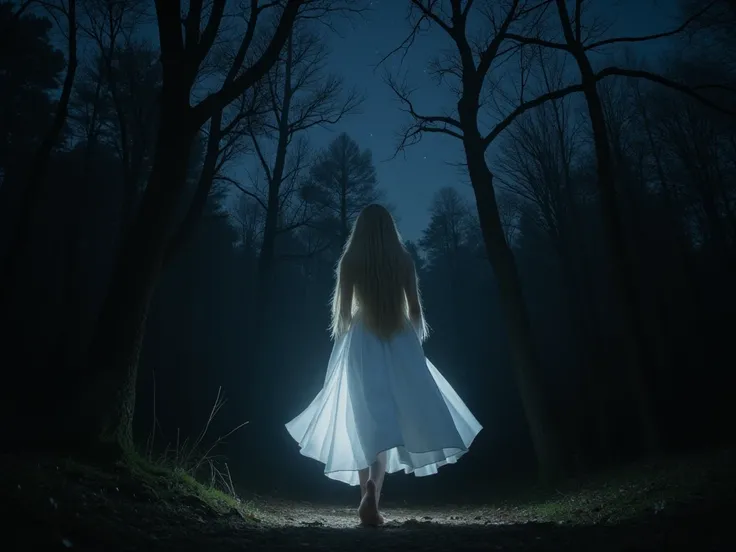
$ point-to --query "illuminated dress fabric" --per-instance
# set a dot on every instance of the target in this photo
(383, 395)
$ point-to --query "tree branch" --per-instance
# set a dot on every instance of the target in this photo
(674, 85)
(629, 39)
(205, 41)
(607, 72)
(526, 106)
(261, 157)
(404, 98)
(490, 53)
(427, 13)
(229, 91)
(240, 187)
(22, 8)
(537, 42)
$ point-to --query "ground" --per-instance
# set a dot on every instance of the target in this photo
(47, 504)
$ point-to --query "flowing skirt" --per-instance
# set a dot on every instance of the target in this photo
(383, 395)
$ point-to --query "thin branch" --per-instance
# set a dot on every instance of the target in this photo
(22, 8)
(404, 47)
(491, 52)
(261, 157)
(404, 98)
(429, 14)
(630, 39)
(240, 187)
(230, 91)
(537, 42)
(674, 85)
(526, 106)
(608, 71)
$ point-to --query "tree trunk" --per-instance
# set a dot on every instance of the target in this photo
(264, 285)
(72, 334)
(649, 304)
(593, 377)
(621, 271)
(259, 330)
(204, 186)
(625, 289)
(523, 349)
(584, 337)
(109, 396)
(596, 377)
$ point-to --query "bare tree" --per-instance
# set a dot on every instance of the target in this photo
(106, 410)
(232, 129)
(537, 159)
(109, 25)
(302, 96)
(224, 143)
(578, 42)
(511, 26)
(468, 69)
(696, 165)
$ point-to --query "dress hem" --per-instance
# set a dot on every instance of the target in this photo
(408, 469)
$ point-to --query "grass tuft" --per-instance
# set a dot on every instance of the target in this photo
(172, 488)
(187, 473)
(189, 468)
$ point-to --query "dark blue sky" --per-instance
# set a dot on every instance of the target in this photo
(411, 181)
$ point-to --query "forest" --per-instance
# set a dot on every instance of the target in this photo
(169, 230)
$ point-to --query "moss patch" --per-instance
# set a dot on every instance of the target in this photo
(171, 487)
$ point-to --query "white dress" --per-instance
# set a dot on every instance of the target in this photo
(383, 395)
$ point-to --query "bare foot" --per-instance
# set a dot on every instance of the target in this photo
(368, 509)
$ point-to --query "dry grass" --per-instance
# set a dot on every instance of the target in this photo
(183, 476)
(189, 466)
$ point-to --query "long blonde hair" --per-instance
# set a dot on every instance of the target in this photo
(376, 275)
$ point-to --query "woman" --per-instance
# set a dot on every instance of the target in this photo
(383, 407)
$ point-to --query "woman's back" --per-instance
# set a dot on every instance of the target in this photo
(380, 293)
(376, 278)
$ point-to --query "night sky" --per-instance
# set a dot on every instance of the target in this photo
(411, 180)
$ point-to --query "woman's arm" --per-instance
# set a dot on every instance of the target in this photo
(342, 306)
(346, 299)
(416, 313)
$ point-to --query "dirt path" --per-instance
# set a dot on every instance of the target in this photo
(89, 512)
(333, 530)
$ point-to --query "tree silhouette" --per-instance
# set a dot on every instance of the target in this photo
(108, 384)
(33, 184)
(513, 27)
(302, 96)
(577, 42)
(449, 226)
(342, 182)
